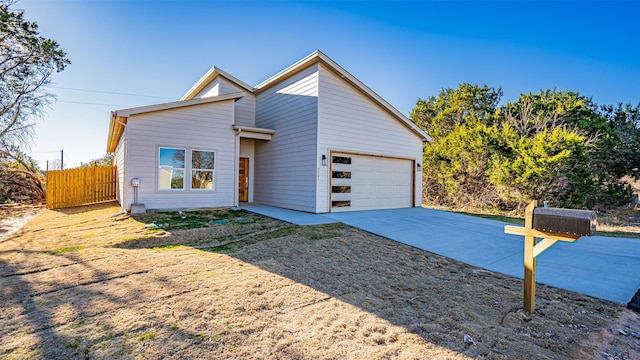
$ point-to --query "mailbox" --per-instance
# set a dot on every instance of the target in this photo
(565, 221)
(550, 225)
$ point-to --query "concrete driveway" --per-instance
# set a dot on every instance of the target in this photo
(603, 267)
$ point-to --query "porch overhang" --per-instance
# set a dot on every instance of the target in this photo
(253, 133)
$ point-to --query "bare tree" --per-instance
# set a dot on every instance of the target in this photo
(27, 61)
(19, 175)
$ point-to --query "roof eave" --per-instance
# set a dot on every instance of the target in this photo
(119, 117)
(345, 75)
(116, 129)
(293, 69)
(179, 104)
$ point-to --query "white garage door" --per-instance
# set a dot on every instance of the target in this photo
(361, 182)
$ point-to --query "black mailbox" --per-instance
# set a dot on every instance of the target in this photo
(565, 221)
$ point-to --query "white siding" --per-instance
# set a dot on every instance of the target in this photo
(202, 127)
(349, 121)
(118, 160)
(245, 107)
(286, 166)
(212, 89)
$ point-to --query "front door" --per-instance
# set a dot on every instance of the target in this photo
(243, 180)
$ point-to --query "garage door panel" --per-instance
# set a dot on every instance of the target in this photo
(375, 183)
(341, 197)
(341, 182)
(399, 189)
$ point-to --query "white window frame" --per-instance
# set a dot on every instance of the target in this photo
(213, 171)
(188, 169)
(184, 169)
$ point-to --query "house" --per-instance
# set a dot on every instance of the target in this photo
(311, 138)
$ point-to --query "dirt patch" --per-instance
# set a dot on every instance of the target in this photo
(80, 284)
(14, 216)
(624, 218)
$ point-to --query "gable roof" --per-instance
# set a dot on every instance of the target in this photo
(313, 58)
(119, 118)
(319, 57)
(209, 77)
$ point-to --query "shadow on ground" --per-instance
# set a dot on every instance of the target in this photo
(81, 284)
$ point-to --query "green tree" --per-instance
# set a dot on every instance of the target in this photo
(611, 151)
(457, 167)
(553, 145)
(104, 160)
(535, 167)
(27, 61)
(440, 114)
(456, 162)
(624, 156)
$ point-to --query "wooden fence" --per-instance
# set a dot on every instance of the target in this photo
(67, 188)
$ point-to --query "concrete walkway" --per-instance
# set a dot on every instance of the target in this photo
(602, 267)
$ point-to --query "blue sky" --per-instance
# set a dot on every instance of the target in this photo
(156, 50)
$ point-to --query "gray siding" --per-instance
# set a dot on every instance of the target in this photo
(349, 121)
(286, 166)
(202, 127)
(246, 111)
(228, 87)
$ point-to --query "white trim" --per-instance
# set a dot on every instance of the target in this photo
(253, 133)
(292, 69)
(188, 168)
(213, 170)
(184, 170)
(209, 77)
(318, 56)
(176, 104)
(236, 166)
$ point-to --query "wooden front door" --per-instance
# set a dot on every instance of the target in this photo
(243, 180)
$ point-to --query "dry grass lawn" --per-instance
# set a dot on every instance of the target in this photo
(78, 284)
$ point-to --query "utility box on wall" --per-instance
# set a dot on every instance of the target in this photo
(136, 208)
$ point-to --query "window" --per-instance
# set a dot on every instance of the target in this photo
(176, 165)
(202, 169)
(341, 160)
(171, 166)
(341, 203)
(344, 189)
(341, 174)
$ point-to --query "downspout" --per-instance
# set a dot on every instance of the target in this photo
(236, 165)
